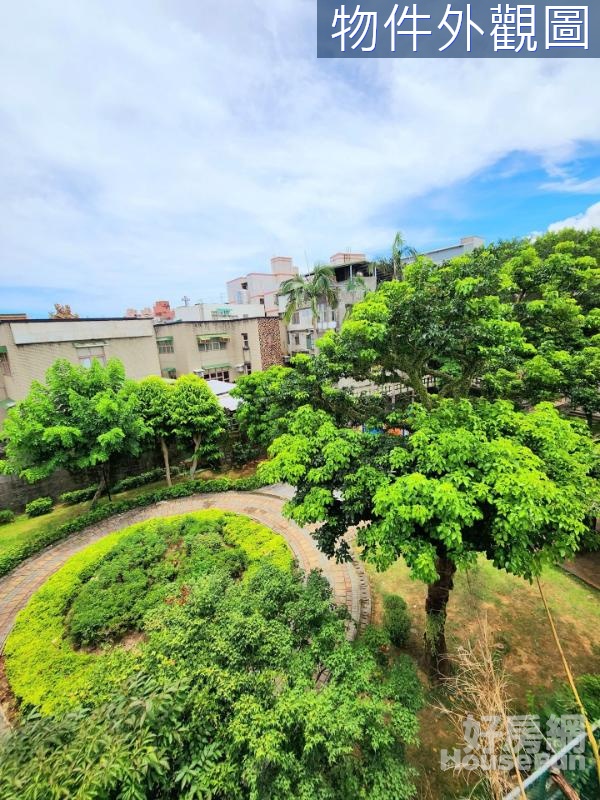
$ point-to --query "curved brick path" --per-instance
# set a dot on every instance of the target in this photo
(349, 582)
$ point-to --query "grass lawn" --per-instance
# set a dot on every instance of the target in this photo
(23, 527)
(516, 616)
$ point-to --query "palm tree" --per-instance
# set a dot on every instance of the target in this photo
(391, 268)
(302, 292)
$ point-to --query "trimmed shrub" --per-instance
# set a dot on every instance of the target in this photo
(50, 535)
(6, 516)
(78, 496)
(396, 620)
(43, 505)
(142, 479)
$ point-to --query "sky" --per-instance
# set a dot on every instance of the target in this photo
(151, 150)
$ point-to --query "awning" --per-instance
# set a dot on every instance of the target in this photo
(207, 337)
(210, 367)
(8, 403)
(3, 348)
(165, 339)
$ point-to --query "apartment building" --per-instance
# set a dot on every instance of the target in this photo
(205, 312)
(261, 287)
(28, 347)
(220, 349)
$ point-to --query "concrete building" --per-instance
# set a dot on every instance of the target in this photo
(466, 245)
(28, 348)
(261, 287)
(206, 312)
(220, 349)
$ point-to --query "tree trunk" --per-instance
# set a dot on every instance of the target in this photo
(106, 471)
(194, 466)
(435, 608)
(165, 452)
(589, 419)
(99, 490)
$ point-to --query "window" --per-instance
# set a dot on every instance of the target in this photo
(165, 346)
(216, 375)
(262, 301)
(170, 372)
(4, 364)
(297, 338)
(87, 354)
(245, 286)
(212, 344)
(296, 318)
(248, 369)
(245, 343)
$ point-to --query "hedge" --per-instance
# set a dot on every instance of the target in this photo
(82, 495)
(6, 516)
(39, 507)
(45, 537)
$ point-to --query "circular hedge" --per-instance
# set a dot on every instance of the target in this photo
(82, 632)
(186, 658)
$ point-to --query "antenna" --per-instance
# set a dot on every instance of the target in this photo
(185, 300)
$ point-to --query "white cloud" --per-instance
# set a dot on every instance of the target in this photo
(159, 148)
(582, 222)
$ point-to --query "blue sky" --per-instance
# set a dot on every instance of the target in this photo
(152, 149)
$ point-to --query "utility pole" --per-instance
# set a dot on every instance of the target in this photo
(185, 300)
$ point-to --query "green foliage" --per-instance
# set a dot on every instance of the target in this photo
(396, 619)
(81, 418)
(308, 292)
(269, 398)
(226, 702)
(132, 482)
(38, 507)
(472, 477)
(197, 417)
(76, 496)
(6, 516)
(105, 592)
(47, 536)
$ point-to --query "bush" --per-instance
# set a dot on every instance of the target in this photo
(50, 535)
(43, 505)
(106, 591)
(6, 516)
(396, 620)
(78, 496)
(221, 693)
(141, 480)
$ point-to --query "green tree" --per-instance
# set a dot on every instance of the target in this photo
(197, 417)
(155, 396)
(301, 292)
(269, 398)
(81, 418)
(446, 325)
(473, 477)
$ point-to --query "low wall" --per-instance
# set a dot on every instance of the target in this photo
(16, 493)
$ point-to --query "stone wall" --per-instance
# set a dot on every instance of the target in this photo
(269, 334)
(16, 493)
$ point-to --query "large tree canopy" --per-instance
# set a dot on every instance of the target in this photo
(472, 477)
(80, 418)
(196, 416)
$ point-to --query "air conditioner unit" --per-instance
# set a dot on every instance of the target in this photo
(239, 367)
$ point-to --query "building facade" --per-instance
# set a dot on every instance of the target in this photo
(206, 312)
(28, 348)
(220, 349)
(261, 287)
